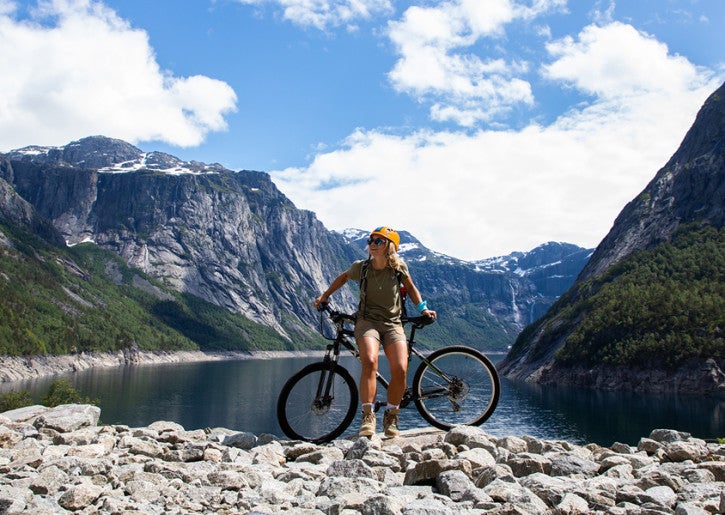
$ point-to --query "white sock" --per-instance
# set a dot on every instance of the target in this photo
(392, 406)
(369, 404)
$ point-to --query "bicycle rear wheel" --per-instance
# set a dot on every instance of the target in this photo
(318, 403)
(456, 386)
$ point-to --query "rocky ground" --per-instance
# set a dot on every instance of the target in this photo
(58, 460)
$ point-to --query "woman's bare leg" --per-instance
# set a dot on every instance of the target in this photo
(368, 348)
(397, 354)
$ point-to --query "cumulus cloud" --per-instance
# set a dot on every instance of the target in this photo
(489, 192)
(75, 68)
(438, 60)
(601, 63)
(324, 14)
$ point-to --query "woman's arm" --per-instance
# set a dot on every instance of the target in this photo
(338, 283)
(415, 296)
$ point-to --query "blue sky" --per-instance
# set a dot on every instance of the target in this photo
(481, 126)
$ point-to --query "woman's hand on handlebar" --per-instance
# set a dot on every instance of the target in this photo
(320, 303)
(429, 313)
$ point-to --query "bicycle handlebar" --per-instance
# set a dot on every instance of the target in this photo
(336, 316)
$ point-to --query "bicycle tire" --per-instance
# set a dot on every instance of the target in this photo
(303, 417)
(469, 393)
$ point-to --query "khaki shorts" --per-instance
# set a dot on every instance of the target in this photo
(380, 331)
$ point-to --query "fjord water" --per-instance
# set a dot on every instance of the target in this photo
(242, 395)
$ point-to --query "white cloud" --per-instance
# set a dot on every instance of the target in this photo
(438, 59)
(491, 192)
(616, 60)
(75, 68)
(323, 14)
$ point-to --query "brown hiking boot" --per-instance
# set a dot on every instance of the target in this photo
(368, 422)
(390, 423)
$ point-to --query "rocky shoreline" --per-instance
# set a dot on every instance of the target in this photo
(58, 460)
(19, 368)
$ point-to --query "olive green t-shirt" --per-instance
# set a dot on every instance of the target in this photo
(382, 296)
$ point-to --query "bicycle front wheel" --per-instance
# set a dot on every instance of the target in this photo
(456, 386)
(318, 403)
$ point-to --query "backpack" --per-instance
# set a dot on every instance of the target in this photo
(364, 285)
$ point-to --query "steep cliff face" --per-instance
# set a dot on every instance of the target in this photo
(688, 193)
(16, 212)
(690, 187)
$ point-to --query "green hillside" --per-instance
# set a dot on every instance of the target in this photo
(56, 300)
(660, 307)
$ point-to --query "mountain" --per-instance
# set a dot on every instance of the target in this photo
(232, 240)
(647, 311)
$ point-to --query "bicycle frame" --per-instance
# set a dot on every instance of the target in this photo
(344, 337)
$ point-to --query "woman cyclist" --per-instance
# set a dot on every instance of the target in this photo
(379, 321)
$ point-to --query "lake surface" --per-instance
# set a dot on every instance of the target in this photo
(242, 395)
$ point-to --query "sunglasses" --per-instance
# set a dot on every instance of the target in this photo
(377, 241)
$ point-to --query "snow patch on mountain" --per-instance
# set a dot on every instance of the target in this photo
(148, 162)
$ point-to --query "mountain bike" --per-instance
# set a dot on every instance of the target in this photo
(454, 385)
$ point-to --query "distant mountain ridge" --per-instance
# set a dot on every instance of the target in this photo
(232, 239)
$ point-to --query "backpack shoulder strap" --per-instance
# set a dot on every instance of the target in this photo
(364, 273)
(363, 285)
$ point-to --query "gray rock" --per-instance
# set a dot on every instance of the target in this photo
(470, 436)
(572, 465)
(687, 508)
(717, 468)
(527, 463)
(427, 507)
(427, 471)
(25, 414)
(512, 444)
(50, 480)
(684, 451)
(551, 490)
(227, 479)
(68, 417)
(381, 505)
(649, 445)
(79, 496)
(351, 469)
(241, 440)
(572, 504)
(477, 457)
(668, 435)
(13, 499)
(503, 492)
(454, 484)
(337, 486)
(359, 448)
(662, 496)
(322, 455)
(621, 448)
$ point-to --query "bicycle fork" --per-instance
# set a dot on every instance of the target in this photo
(324, 395)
